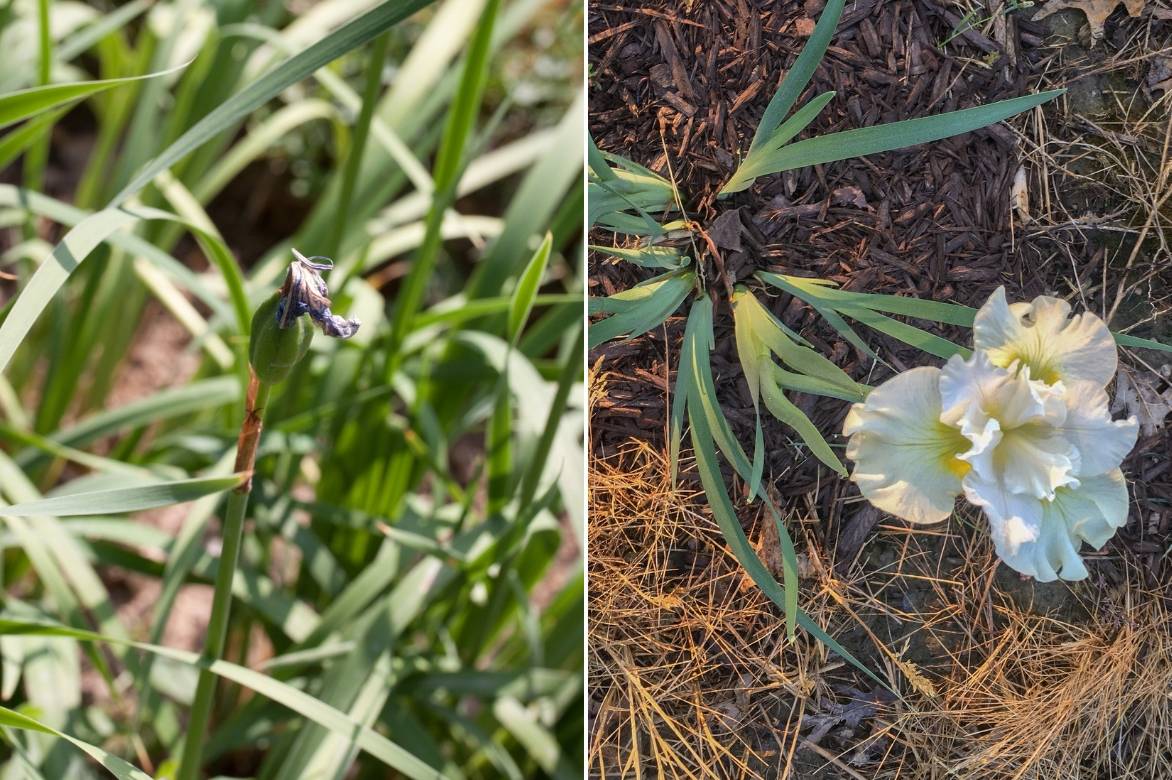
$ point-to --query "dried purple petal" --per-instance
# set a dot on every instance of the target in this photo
(305, 292)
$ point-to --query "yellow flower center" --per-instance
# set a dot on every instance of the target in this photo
(1040, 368)
(957, 467)
(952, 444)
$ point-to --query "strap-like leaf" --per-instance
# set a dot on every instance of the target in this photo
(730, 524)
(799, 75)
(801, 358)
(828, 301)
(346, 38)
(123, 500)
(115, 765)
(25, 103)
(908, 334)
(665, 257)
(300, 702)
(526, 290)
(634, 318)
(1124, 340)
(883, 138)
(683, 391)
(704, 389)
(26, 135)
(832, 304)
(753, 353)
(802, 383)
(597, 162)
(792, 126)
(785, 411)
(76, 246)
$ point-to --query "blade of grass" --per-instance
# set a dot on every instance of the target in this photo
(539, 460)
(535, 201)
(448, 166)
(298, 701)
(69, 215)
(456, 311)
(204, 395)
(112, 763)
(80, 42)
(347, 38)
(526, 290)
(26, 103)
(538, 742)
(20, 139)
(124, 500)
(499, 442)
(374, 71)
(75, 247)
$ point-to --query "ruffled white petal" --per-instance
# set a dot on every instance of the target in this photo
(1043, 336)
(1022, 427)
(974, 389)
(1102, 443)
(1012, 423)
(1097, 509)
(1015, 519)
(1036, 461)
(1042, 538)
(905, 458)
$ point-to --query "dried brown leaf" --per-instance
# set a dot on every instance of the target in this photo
(1096, 11)
(1139, 395)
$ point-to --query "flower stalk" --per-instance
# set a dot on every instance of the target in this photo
(217, 633)
(279, 339)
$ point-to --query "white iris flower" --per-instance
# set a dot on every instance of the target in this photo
(1021, 428)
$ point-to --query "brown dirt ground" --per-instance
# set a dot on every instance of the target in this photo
(685, 84)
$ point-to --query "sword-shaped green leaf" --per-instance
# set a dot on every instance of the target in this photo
(119, 501)
(26, 103)
(799, 75)
(883, 138)
(640, 308)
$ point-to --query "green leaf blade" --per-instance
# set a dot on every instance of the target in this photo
(800, 74)
(26, 103)
(883, 138)
(527, 286)
(346, 38)
(124, 500)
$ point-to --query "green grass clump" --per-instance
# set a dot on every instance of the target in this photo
(404, 592)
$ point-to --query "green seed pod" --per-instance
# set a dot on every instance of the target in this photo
(273, 350)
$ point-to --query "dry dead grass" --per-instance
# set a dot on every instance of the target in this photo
(1053, 699)
(691, 676)
(1103, 177)
(673, 642)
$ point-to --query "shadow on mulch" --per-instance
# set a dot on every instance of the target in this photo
(680, 87)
